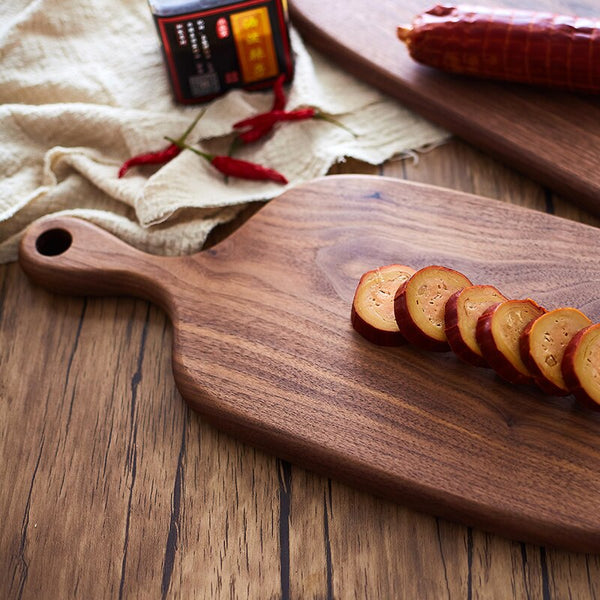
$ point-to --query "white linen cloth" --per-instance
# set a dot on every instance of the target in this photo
(83, 87)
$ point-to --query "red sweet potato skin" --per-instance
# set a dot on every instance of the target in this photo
(569, 371)
(455, 340)
(409, 329)
(503, 367)
(373, 335)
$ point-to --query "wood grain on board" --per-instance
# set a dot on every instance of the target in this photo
(117, 489)
(552, 137)
(264, 349)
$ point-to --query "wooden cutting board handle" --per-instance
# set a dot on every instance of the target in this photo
(71, 256)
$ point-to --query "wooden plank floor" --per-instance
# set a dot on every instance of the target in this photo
(111, 488)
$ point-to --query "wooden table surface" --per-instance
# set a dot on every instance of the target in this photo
(112, 488)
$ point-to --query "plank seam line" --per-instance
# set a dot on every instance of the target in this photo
(173, 535)
(132, 449)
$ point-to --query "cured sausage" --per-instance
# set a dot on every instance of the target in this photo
(538, 48)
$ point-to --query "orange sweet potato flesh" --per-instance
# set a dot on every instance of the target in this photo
(462, 312)
(420, 303)
(372, 314)
(543, 344)
(498, 334)
(581, 366)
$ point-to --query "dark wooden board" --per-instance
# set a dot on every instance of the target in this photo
(263, 347)
(550, 136)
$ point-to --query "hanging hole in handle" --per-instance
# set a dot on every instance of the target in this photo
(53, 242)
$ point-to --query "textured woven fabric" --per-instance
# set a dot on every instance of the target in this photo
(83, 87)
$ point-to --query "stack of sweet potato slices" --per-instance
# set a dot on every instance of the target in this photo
(439, 309)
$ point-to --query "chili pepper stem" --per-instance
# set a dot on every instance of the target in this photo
(235, 144)
(161, 157)
(333, 121)
(183, 138)
(184, 145)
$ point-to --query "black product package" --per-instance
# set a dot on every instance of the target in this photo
(211, 46)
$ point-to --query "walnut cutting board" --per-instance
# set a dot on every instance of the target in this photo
(263, 347)
(552, 137)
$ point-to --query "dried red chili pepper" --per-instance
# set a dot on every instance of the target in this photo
(279, 99)
(259, 131)
(160, 157)
(235, 167)
(150, 158)
(245, 170)
(269, 119)
(254, 134)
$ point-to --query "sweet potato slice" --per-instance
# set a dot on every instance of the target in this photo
(463, 310)
(498, 332)
(420, 305)
(543, 344)
(581, 366)
(372, 312)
